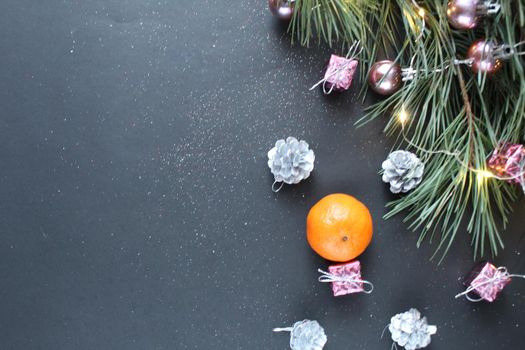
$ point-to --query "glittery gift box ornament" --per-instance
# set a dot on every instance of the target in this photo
(485, 281)
(346, 279)
(508, 161)
(339, 74)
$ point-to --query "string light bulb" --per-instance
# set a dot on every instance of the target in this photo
(403, 116)
(483, 174)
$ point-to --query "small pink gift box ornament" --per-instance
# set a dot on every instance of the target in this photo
(340, 71)
(339, 74)
(508, 162)
(485, 282)
(346, 279)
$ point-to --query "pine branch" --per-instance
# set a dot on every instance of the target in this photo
(453, 110)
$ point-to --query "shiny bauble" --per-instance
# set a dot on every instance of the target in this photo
(385, 77)
(481, 54)
(282, 9)
(463, 14)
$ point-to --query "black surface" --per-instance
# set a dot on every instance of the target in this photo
(136, 203)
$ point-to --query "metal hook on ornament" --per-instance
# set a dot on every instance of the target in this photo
(467, 62)
(490, 7)
(505, 52)
(282, 329)
(277, 189)
(408, 74)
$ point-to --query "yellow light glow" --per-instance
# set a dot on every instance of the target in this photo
(421, 13)
(403, 116)
(483, 174)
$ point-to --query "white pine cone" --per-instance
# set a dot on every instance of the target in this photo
(410, 330)
(291, 161)
(307, 335)
(403, 170)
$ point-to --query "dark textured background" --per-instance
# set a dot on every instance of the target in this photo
(136, 210)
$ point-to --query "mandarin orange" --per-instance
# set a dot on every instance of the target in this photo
(339, 227)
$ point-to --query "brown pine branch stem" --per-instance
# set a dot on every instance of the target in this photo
(468, 112)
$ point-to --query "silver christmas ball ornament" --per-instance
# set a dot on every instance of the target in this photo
(403, 170)
(305, 335)
(385, 77)
(282, 9)
(410, 330)
(290, 161)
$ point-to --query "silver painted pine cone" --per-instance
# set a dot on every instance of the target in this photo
(305, 335)
(291, 161)
(410, 330)
(403, 170)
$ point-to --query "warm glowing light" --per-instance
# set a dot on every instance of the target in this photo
(421, 13)
(403, 116)
(483, 174)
